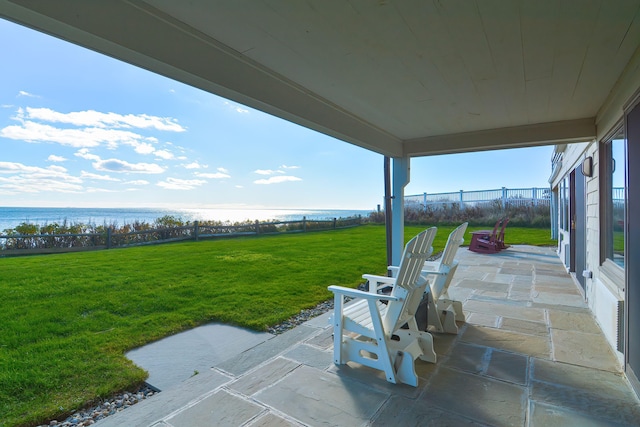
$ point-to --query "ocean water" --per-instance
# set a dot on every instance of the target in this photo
(13, 216)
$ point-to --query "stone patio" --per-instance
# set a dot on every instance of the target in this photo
(530, 354)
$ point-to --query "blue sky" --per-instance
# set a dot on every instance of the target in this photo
(79, 129)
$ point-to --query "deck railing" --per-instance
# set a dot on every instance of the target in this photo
(504, 196)
(18, 244)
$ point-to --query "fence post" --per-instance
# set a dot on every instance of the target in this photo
(461, 199)
(504, 198)
(109, 237)
(304, 224)
(257, 227)
(334, 223)
(424, 200)
(534, 194)
(196, 230)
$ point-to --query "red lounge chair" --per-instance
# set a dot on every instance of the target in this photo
(485, 241)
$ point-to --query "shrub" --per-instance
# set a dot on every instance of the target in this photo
(479, 214)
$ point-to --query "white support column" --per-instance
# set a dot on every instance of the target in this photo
(401, 168)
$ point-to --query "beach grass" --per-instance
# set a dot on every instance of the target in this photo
(68, 319)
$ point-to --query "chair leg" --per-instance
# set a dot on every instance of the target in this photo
(424, 341)
(449, 321)
(338, 320)
(433, 318)
(405, 367)
(457, 308)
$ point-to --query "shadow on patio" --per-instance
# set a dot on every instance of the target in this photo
(530, 354)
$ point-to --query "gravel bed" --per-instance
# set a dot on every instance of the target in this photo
(117, 403)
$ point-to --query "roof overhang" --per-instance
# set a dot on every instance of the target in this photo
(398, 78)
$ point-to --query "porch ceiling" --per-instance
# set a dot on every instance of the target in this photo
(402, 78)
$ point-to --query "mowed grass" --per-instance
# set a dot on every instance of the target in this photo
(66, 320)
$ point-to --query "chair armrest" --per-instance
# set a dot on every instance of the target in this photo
(379, 279)
(379, 282)
(355, 293)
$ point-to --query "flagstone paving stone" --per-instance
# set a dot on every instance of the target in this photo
(479, 398)
(482, 319)
(311, 356)
(470, 358)
(509, 367)
(583, 349)
(219, 409)
(271, 420)
(318, 398)
(506, 340)
(568, 321)
(507, 310)
(406, 412)
(545, 415)
(524, 326)
(264, 376)
(485, 286)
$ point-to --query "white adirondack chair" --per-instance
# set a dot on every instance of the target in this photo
(370, 332)
(442, 311)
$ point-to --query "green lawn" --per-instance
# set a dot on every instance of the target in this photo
(66, 320)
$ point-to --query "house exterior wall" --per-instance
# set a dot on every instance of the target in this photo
(604, 281)
(601, 292)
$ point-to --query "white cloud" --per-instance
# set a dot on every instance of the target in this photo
(27, 94)
(93, 118)
(80, 138)
(99, 190)
(143, 148)
(163, 154)
(17, 178)
(54, 158)
(181, 184)
(138, 182)
(122, 166)
(223, 170)
(195, 165)
(239, 186)
(85, 154)
(216, 175)
(277, 180)
(236, 108)
(266, 171)
(289, 167)
(89, 175)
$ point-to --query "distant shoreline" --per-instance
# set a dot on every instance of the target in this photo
(10, 217)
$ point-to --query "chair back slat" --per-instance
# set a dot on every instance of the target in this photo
(456, 238)
(409, 285)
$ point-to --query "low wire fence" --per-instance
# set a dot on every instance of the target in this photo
(109, 238)
(505, 197)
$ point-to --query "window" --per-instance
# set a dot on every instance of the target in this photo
(564, 205)
(613, 172)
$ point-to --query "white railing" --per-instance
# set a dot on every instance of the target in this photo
(504, 196)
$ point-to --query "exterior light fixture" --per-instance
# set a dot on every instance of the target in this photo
(587, 167)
